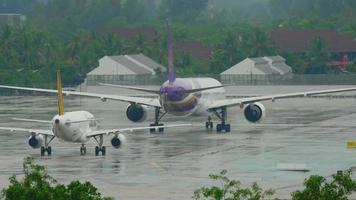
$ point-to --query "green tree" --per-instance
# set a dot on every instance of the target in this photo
(257, 42)
(183, 10)
(317, 57)
(133, 11)
(319, 188)
(237, 45)
(228, 53)
(140, 44)
(38, 185)
(231, 190)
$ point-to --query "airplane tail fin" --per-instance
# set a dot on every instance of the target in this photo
(171, 71)
(59, 94)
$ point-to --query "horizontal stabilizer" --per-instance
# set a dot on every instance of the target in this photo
(131, 88)
(80, 121)
(202, 89)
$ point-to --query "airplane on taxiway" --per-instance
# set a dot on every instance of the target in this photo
(76, 127)
(188, 96)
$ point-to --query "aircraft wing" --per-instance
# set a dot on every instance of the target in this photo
(116, 131)
(242, 101)
(157, 92)
(37, 131)
(139, 100)
(33, 120)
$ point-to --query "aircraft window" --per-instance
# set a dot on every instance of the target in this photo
(92, 123)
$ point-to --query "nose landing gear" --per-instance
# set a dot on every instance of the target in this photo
(83, 150)
(209, 123)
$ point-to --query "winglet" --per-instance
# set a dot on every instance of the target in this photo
(171, 72)
(59, 94)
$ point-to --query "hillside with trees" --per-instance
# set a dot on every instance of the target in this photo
(69, 34)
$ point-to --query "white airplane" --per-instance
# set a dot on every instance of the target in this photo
(76, 127)
(188, 96)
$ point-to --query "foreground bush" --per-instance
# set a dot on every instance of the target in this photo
(38, 185)
(339, 187)
(231, 190)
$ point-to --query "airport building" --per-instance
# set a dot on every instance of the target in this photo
(342, 47)
(260, 69)
(125, 69)
(13, 19)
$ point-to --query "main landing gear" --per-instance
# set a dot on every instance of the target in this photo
(83, 150)
(221, 113)
(100, 148)
(158, 117)
(47, 148)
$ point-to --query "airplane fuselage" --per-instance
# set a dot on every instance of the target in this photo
(176, 101)
(73, 126)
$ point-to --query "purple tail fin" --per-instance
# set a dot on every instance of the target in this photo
(171, 72)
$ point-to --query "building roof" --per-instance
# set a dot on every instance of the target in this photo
(300, 40)
(127, 61)
(279, 63)
(260, 65)
(148, 61)
(137, 64)
(196, 49)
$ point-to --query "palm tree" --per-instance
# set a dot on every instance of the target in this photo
(257, 42)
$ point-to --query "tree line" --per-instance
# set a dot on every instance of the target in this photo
(68, 35)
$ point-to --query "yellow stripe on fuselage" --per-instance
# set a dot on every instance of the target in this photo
(59, 94)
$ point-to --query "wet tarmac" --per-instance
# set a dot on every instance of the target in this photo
(172, 165)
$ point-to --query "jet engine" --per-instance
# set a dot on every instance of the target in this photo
(35, 141)
(255, 112)
(136, 113)
(117, 141)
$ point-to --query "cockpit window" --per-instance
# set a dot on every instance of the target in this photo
(92, 123)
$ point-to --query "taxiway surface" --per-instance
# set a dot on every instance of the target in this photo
(172, 165)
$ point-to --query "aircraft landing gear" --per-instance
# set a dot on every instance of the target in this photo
(158, 117)
(100, 148)
(83, 150)
(47, 148)
(222, 115)
(209, 123)
(44, 150)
